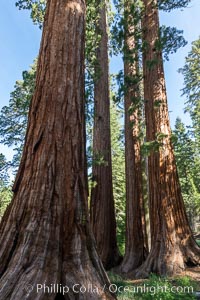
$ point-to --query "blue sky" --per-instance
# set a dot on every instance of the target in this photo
(20, 41)
(189, 21)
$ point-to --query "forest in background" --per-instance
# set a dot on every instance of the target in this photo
(126, 166)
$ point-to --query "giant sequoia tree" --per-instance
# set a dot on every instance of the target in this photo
(135, 241)
(173, 245)
(45, 233)
(102, 202)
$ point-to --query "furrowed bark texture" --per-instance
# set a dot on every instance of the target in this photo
(102, 208)
(135, 251)
(45, 233)
(173, 245)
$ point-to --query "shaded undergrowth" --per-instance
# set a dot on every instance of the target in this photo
(156, 288)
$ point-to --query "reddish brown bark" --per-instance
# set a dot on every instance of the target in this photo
(102, 203)
(135, 251)
(45, 233)
(172, 243)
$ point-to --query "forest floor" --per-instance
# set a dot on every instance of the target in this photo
(153, 288)
(194, 274)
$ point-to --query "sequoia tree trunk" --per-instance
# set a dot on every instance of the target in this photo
(172, 243)
(102, 207)
(135, 250)
(45, 234)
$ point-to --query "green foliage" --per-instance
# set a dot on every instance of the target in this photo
(155, 288)
(191, 74)
(98, 159)
(5, 198)
(170, 41)
(127, 14)
(118, 171)
(5, 190)
(37, 8)
(188, 164)
(157, 103)
(93, 37)
(13, 118)
(117, 282)
(162, 288)
(148, 147)
(168, 5)
(153, 146)
(4, 165)
(152, 63)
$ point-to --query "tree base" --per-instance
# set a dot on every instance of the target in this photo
(172, 264)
